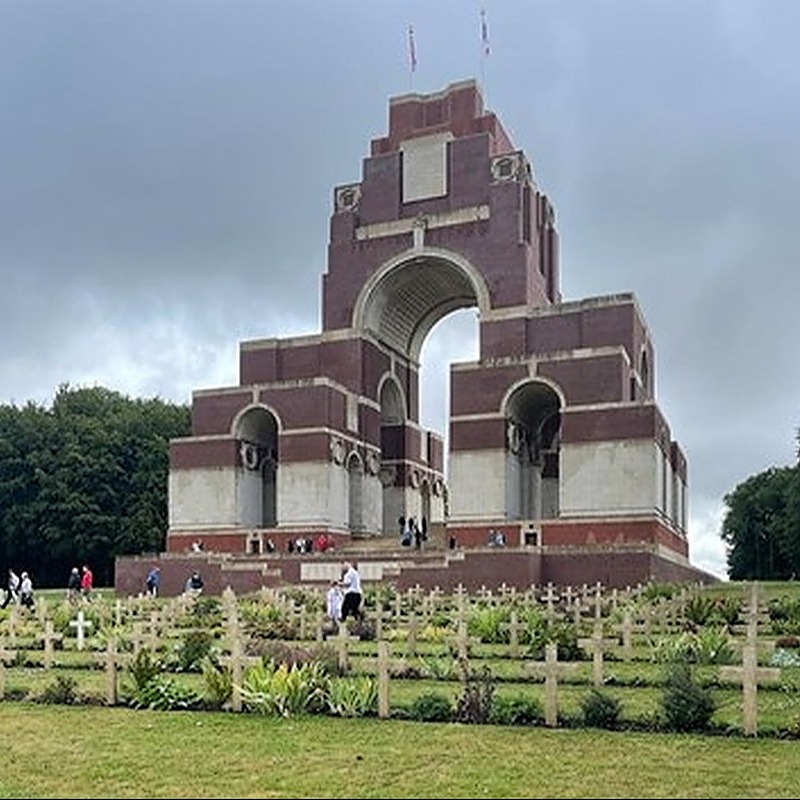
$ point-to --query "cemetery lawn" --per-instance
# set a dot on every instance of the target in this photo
(95, 751)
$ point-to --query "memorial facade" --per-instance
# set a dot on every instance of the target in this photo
(555, 436)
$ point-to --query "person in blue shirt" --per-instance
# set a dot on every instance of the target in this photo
(153, 580)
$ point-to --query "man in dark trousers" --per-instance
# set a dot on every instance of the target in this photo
(12, 587)
(351, 583)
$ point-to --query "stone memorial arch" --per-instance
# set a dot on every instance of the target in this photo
(555, 437)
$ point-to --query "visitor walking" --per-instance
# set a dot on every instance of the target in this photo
(74, 585)
(26, 591)
(87, 583)
(351, 583)
(12, 587)
(153, 580)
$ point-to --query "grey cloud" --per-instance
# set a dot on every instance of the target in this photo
(168, 171)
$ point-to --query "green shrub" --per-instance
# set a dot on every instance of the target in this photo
(655, 591)
(515, 710)
(218, 683)
(713, 646)
(477, 700)
(441, 619)
(206, 611)
(728, 610)
(280, 690)
(431, 707)
(164, 693)
(600, 710)
(63, 691)
(562, 633)
(699, 609)
(784, 614)
(531, 619)
(267, 621)
(144, 667)
(706, 646)
(687, 705)
(488, 625)
(291, 655)
(363, 628)
(438, 665)
(194, 647)
(326, 656)
(353, 697)
(434, 634)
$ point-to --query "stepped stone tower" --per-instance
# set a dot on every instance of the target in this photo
(555, 437)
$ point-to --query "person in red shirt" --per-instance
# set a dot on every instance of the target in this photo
(87, 582)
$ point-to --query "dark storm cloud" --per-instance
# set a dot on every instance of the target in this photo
(167, 172)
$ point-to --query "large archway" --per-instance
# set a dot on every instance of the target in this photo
(410, 293)
(453, 340)
(401, 305)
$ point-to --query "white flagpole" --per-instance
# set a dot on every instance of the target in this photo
(412, 56)
(485, 48)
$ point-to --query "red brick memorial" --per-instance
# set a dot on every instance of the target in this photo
(561, 466)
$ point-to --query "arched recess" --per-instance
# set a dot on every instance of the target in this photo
(411, 292)
(355, 493)
(532, 409)
(425, 506)
(644, 373)
(257, 431)
(393, 418)
(393, 404)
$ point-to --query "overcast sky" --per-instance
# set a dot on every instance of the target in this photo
(166, 175)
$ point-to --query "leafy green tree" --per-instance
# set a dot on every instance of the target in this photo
(790, 535)
(84, 480)
(759, 528)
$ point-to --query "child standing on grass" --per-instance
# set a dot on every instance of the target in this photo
(334, 602)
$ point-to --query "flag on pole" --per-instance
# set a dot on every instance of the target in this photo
(484, 33)
(412, 49)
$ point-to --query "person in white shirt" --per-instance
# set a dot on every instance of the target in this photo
(351, 583)
(11, 588)
(26, 590)
(334, 602)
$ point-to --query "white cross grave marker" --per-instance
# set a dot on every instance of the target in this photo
(81, 624)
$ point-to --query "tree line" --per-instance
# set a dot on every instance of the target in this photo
(761, 526)
(84, 480)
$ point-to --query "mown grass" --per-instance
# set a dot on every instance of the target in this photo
(95, 751)
(62, 751)
(776, 709)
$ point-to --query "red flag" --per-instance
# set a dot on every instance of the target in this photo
(484, 33)
(412, 49)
